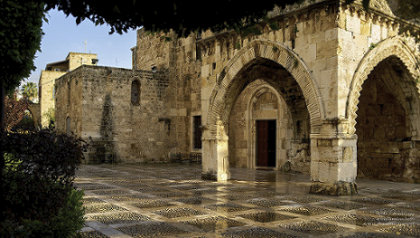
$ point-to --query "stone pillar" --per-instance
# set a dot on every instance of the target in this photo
(333, 161)
(215, 159)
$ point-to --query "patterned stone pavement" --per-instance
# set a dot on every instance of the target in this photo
(170, 200)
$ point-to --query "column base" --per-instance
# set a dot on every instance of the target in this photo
(220, 177)
(336, 189)
(209, 176)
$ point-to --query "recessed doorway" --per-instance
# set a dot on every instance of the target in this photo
(266, 143)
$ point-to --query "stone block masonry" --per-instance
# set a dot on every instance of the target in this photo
(96, 104)
(291, 96)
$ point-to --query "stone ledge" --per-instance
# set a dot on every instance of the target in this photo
(336, 189)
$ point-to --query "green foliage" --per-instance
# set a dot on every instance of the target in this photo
(70, 217)
(66, 223)
(167, 15)
(372, 46)
(274, 26)
(50, 114)
(20, 33)
(30, 90)
(250, 30)
(408, 9)
(26, 124)
(39, 198)
(14, 111)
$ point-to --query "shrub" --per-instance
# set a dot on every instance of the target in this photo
(37, 180)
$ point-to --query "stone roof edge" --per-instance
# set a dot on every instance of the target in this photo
(317, 5)
(141, 72)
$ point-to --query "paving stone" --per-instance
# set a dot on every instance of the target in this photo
(359, 219)
(367, 235)
(214, 223)
(256, 232)
(394, 213)
(153, 204)
(110, 192)
(90, 200)
(344, 205)
(151, 229)
(266, 202)
(227, 207)
(265, 216)
(303, 199)
(313, 227)
(404, 229)
(100, 208)
(91, 186)
(178, 212)
(372, 200)
(130, 197)
(92, 234)
(170, 194)
(236, 209)
(304, 210)
(195, 200)
(115, 218)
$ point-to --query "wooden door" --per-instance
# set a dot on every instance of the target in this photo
(266, 143)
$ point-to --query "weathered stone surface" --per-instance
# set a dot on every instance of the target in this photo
(336, 189)
(341, 84)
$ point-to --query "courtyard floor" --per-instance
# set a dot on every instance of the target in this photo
(170, 200)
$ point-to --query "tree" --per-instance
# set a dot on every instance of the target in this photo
(15, 111)
(20, 34)
(30, 90)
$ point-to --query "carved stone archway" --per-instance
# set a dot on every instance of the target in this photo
(394, 46)
(215, 139)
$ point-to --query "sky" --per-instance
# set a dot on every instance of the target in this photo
(62, 35)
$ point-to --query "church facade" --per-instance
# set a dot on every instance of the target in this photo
(325, 88)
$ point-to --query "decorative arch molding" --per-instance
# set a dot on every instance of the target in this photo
(277, 53)
(255, 93)
(393, 46)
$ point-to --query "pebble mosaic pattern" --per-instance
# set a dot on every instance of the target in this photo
(172, 201)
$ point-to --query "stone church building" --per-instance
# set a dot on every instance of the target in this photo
(325, 88)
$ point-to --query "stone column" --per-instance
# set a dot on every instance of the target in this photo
(333, 160)
(215, 159)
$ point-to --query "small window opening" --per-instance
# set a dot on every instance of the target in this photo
(197, 132)
(135, 92)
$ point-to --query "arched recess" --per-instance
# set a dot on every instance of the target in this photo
(238, 73)
(226, 89)
(383, 109)
(391, 47)
(258, 102)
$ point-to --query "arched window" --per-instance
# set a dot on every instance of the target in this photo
(135, 92)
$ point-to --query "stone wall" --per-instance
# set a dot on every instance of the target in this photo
(259, 101)
(68, 103)
(117, 129)
(46, 94)
(176, 56)
(34, 108)
(76, 59)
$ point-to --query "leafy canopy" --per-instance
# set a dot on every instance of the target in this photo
(20, 34)
(30, 90)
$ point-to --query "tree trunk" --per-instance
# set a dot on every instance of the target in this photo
(2, 136)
